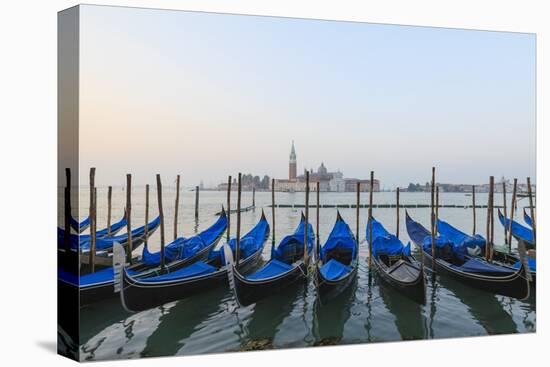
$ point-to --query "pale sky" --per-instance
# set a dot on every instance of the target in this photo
(209, 95)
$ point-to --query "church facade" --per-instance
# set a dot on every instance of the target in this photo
(328, 181)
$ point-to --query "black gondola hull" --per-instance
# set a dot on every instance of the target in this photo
(250, 291)
(514, 285)
(330, 289)
(415, 290)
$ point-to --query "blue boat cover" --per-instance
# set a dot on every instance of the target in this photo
(385, 243)
(474, 265)
(273, 268)
(527, 219)
(183, 248)
(422, 237)
(105, 231)
(518, 230)
(334, 269)
(340, 237)
(532, 263)
(250, 243)
(79, 227)
(460, 240)
(195, 269)
(294, 243)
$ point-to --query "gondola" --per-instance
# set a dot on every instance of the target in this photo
(394, 263)
(337, 264)
(114, 229)
(285, 267)
(138, 294)
(475, 246)
(520, 232)
(79, 227)
(467, 269)
(97, 286)
(527, 218)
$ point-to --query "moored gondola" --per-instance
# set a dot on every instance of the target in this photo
(103, 233)
(337, 263)
(285, 267)
(520, 232)
(96, 286)
(469, 270)
(527, 218)
(394, 263)
(79, 227)
(475, 246)
(140, 293)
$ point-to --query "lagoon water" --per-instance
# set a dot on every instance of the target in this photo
(368, 311)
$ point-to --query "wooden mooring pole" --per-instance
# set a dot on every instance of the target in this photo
(272, 215)
(473, 210)
(67, 212)
(253, 196)
(371, 189)
(129, 217)
(317, 243)
(109, 208)
(197, 191)
(176, 207)
(238, 240)
(228, 208)
(306, 229)
(397, 213)
(161, 216)
(433, 219)
(357, 210)
(512, 210)
(505, 211)
(436, 208)
(146, 231)
(492, 189)
(92, 220)
(532, 210)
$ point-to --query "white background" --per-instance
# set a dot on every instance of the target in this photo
(28, 178)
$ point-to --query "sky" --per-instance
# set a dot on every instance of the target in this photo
(209, 95)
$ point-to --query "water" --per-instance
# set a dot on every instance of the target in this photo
(368, 311)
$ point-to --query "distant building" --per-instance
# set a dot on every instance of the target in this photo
(328, 181)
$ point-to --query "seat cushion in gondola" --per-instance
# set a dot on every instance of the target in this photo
(195, 269)
(476, 266)
(269, 270)
(333, 270)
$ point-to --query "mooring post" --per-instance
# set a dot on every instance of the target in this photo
(317, 243)
(306, 229)
(397, 213)
(512, 209)
(272, 215)
(238, 240)
(197, 190)
(253, 197)
(357, 204)
(129, 217)
(492, 183)
(474, 210)
(371, 189)
(433, 220)
(228, 208)
(161, 216)
(176, 207)
(505, 211)
(532, 210)
(146, 231)
(67, 212)
(488, 226)
(91, 215)
(109, 203)
(436, 208)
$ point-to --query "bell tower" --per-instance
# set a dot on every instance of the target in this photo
(292, 163)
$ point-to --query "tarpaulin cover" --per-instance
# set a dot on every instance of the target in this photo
(250, 242)
(195, 269)
(518, 230)
(458, 237)
(478, 266)
(183, 248)
(115, 227)
(334, 269)
(340, 237)
(532, 263)
(294, 243)
(422, 236)
(385, 243)
(272, 268)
